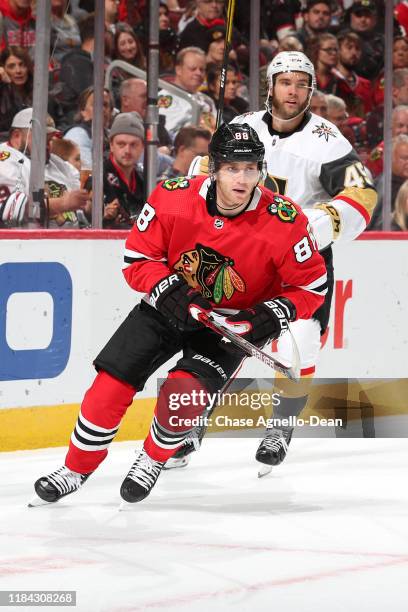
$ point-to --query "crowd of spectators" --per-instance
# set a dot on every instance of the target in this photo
(344, 39)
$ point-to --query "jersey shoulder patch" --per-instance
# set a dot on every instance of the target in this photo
(283, 209)
(179, 182)
(165, 101)
(4, 155)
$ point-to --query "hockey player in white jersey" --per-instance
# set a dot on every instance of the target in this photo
(309, 160)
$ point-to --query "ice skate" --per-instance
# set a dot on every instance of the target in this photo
(56, 485)
(181, 458)
(273, 448)
(141, 478)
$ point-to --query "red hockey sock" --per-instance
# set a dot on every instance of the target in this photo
(182, 398)
(102, 409)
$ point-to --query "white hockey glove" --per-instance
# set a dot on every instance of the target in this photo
(321, 223)
(13, 209)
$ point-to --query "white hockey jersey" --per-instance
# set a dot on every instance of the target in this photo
(14, 171)
(316, 165)
(178, 111)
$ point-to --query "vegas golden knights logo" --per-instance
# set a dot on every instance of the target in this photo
(210, 272)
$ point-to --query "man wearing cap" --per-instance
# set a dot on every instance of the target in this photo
(15, 163)
(215, 45)
(122, 184)
(363, 20)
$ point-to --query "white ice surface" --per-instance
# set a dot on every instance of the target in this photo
(326, 532)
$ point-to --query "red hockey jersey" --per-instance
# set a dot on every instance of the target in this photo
(264, 252)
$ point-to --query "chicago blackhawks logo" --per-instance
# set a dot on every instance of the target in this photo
(324, 130)
(285, 210)
(164, 101)
(4, 155)
(176, 183)
(210, 272)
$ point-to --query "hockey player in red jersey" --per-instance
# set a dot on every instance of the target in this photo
(220, 243)
(310, 161)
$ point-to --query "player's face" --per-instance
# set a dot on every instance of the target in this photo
(126, 149)
(235, 183)
(290, 94)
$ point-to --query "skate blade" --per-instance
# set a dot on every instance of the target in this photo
(125, 506)
(264, 470)
(37, 502)
(172, 464)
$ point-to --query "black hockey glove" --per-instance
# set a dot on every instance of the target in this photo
(265, 321)
(172, 296)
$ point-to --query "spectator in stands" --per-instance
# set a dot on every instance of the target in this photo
(290, 43)
(336, 111)
(209, 14)
(190, 74)
(318, 103)
(122, 184)
(133, 98)
(399, 126)
(64, 32)
(81, 131)
(362, 19)
(15, 171)
(399, 62)
(216, 43)
(76, 72)
(111, 15)
(17, 25)
(164, 19)
(16, 84)
(400, 52)
(316, 20)
(233, 104)
(127, 46)
(278, 19)
(375, 119)
(68, 150)
(190, 142)
(399, 221)
(324, 53)
(355, 90)
(399, 174)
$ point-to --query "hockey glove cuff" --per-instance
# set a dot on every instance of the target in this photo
(172, 296)
(265, 321)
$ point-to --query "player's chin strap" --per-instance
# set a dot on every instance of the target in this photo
(218, 324)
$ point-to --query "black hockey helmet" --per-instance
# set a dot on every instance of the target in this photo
(235, 142)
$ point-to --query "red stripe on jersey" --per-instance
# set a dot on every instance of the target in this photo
(306, 371)
(363, 212)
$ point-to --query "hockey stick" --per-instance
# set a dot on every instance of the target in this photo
(227, 49)
(291, 372)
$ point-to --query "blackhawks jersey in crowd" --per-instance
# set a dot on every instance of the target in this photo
(236, 262)
(14, 171)
(316, 164)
